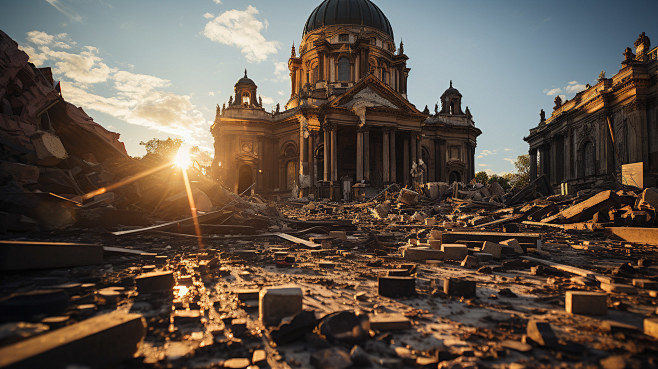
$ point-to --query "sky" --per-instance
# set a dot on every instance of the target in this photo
(158, 68)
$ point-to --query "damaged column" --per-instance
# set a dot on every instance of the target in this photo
(386, 155)
(393, 156)
(359, 154)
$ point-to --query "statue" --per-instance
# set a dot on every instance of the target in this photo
(218, 111)
(260, 101)
(416, 176)
(601, 76)
(426, 111)
(628, 55)
(469, 116)
(558, 102)
(643, 40)
(542, 116)
(401, 47)
(293, 53)
(436, 108)
(278, 108)
(230, 101)
(223, 108)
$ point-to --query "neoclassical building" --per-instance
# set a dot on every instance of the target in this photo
(348, 118)
(615, 122)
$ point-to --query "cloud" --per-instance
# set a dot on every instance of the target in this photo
(267, 100)
(483, 165)
(241, 29)
(281, 71)
(57, 4)
(281, 93)
(572, 87)
(217, 1)
(490, 172)
(480, 156)
(510, 160)
(208, 15)
(60, 41)
(507, 149)
(137, 99)
(484, 153)
(554, 91)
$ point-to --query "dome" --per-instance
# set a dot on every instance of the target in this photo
(245, 81)
(354, 12)
(451, 91)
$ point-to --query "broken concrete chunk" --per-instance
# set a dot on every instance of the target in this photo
(646, 284)
(618, 288)
(421, 254)
(102, 341)
(651, 327)
(514, 244)
(408, 197)
(344, 327)
(648, 200)
(331, 358)
(542, 333)
(395, 287)
(585, 210)
(276, 303)
(49, 148)
(155, 282)
(389, 322)
(470, 262)
(459, 287)
(294, 329)
(259, 358)
(341, 235)
(236, 363)
(381, 211)
(21, 173)
(589, 303)
(483, 257)
(21, 255)
(453, 251)
(492, 248)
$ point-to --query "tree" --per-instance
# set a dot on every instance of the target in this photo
(502, 181)
(522, 165)
(482, 177)
(161, 150)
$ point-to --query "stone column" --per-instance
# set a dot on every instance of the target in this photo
(533, 164)
(393, 157)
(359, 155)
(334, 154)
(311, 154)
(414, 148)
(405, 160)
(327, 154)
(366, 153)
(386, 165)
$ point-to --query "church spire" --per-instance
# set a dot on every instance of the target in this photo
(245, 73)
(293, 53)
(450, 83)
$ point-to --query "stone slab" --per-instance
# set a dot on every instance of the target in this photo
(589, 303)
(276, 303)
(25, 255)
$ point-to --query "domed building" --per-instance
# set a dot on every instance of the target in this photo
(348, 119)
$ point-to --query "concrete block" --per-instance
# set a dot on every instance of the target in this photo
(454, 251)
(430, 222)
(389, 322)
(396, 286)
(22, 255)
(646, 284)
(514, 244)
(276, 303)
(434, 244)
(583, 302)
(155, 282)
(618, 288)
(49, 148)
(651, 327)
(100, 342)
(470, 262)
(483, 257)
(492, 248)
(408, 197)
(542, 333)
(421, 254)
(259, 358)
(459, 287)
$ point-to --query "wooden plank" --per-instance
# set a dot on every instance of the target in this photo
(501, 221)
(635, 234)
(201, 218)
(570, 269)
(453, 237)
(298, 240)
(26, 255)
(102, 341)
(121, 250)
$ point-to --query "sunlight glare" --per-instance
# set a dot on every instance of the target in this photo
(183, 159)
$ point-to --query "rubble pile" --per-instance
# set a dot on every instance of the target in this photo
(443, 276)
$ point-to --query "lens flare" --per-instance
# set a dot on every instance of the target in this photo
(183, 159)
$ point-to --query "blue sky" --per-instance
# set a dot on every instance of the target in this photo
(157, 68)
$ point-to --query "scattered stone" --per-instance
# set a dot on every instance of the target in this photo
(291, 330)
(506, 292)
(359, 356)
(155, 282)
(421, 254)
(541, 333)
(279, 302)
(331, 358)
(651, 327)
(455, 252)
(102, 341)
(396, 287)
(514, 244)
(492, 248)
(236, 363)
(470, 262)
(259, 358)
(459, 287)
(344, 326)
(646, 284)
(389, 322)
(589, 303)
(408, 197)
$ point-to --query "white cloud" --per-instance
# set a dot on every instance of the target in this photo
(217, 1)
(267, 100)
(484, 153)
(480, 156)
(41, 38)
(281, 71)
(208, 16)
(490, 172)
(510, 160)
(57, 4)
(507, 149)
(483, 165)
(138, 99)
(241, 29)
(281, 93)
(554, 91)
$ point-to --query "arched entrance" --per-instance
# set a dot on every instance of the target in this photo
(291, 175)
(455, 177)
(245, 178)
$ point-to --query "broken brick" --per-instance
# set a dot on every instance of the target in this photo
(395, 287)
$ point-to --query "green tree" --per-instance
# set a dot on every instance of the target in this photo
(482, 177)
(502, 181)
(161, 150)
(522, 165)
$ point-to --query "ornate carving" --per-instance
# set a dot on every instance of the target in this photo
(628, 55)
(601, 76)
(643, 40)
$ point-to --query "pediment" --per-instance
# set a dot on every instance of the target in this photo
(369, 97)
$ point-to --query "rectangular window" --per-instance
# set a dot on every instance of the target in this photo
(344, 37)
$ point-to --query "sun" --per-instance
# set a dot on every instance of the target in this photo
(182, 158)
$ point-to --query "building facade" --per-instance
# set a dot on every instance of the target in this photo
(615, 122)
(348, 118)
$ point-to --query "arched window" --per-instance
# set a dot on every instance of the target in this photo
(588, 159)
(246, 98)
(343, 69)
(452, 107)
